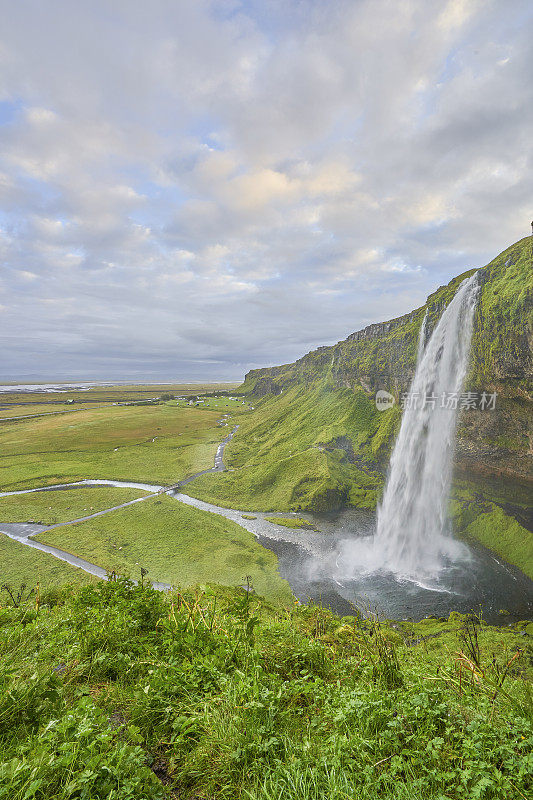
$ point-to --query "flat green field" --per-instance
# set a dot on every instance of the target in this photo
(22, 410)
(51, 507)
(133, 391)
(177, 544)
(159, 443)
(22, 564)
(147, 443)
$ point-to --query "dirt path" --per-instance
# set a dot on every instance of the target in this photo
(24, 532)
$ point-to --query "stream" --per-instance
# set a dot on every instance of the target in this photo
(316, 563)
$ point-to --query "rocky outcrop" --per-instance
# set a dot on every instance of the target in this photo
(499, 442)
(380, 329)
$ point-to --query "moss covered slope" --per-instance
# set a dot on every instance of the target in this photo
(315, 449)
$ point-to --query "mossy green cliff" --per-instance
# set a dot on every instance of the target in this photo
(316, 440)
(383, 356)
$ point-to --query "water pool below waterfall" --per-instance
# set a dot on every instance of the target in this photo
(316, 566)
(483, 583)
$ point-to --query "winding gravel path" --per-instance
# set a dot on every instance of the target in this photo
(24, 532)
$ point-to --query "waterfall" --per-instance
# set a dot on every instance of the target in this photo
(422, 339)
(412, 537)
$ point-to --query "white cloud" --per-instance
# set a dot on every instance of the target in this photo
(40, 117)
(25, 275)
(226, 184)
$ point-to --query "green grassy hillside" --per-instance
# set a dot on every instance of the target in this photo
(494, 525)
(316, 449)
(117, 692)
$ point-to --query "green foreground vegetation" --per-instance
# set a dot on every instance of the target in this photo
(63, 505)
(176, 543)
(118, 692)
(23, 565)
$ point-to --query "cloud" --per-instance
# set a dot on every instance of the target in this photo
(190, 189)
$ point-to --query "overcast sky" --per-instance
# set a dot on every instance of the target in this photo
(190, 189)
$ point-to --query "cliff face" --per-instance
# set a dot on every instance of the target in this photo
(383, 356)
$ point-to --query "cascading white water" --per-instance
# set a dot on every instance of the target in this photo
(412, 539)
(422, 339)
